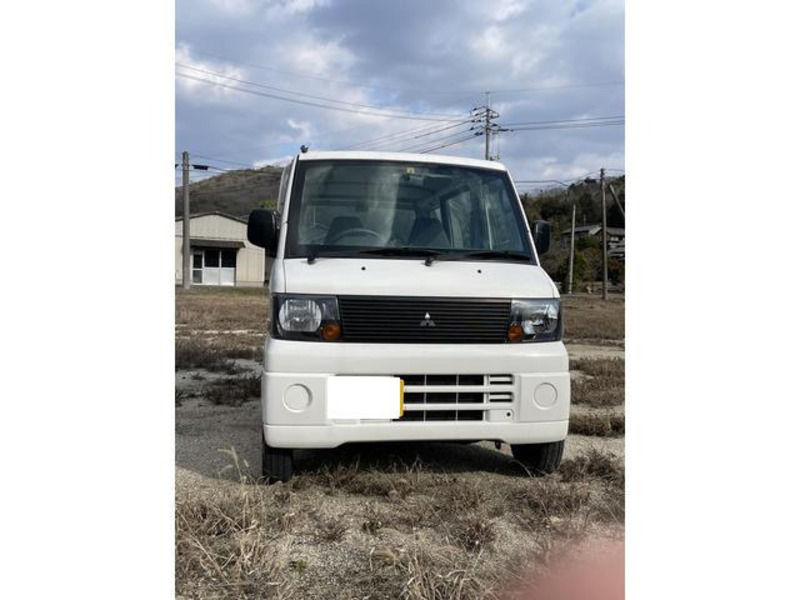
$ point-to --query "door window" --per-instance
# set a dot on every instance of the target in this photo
(197, 267)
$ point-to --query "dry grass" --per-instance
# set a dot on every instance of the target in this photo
(330, 530)
(233, 391)
(215, 326)
(221, 309)
(474, 534)
(597, 423)
(228, 546)
(384, 528)
(594, 465)
(589, 318)
(194, 353)
(391, 530)
(420, 573)
(604, 384)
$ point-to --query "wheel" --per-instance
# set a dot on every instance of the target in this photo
(540, 459)
(276, 463)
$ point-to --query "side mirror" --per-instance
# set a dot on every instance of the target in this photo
(541, 236)
(262, 230)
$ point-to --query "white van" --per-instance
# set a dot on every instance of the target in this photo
(408, 304)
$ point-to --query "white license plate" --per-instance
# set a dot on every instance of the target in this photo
(364, 397)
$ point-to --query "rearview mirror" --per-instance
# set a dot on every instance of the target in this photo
(262, 230)
(541, 236)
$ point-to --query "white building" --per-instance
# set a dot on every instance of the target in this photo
(221, 254)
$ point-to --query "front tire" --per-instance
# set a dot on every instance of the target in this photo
(539, 459)
(277, 464)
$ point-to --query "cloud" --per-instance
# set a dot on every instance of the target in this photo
(194, 69)
(272, 8)
(416, 56)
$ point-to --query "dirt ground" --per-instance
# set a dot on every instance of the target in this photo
(203, 430)
(376, 521)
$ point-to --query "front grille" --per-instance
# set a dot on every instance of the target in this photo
(423, 320)
(454, 397)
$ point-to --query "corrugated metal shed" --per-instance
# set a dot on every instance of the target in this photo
(221, 254)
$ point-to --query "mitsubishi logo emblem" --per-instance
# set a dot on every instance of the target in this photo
(427, 321)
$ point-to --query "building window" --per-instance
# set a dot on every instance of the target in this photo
(214, 266)
(197, 267)
(229, 258)
(211, 257)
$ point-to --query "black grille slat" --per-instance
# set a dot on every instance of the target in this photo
(474, 415)
(442, 379)
(386, 319)
(470, 397)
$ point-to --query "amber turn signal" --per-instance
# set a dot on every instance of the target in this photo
(331, 331)
(515, 332)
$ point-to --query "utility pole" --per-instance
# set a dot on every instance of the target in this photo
(187, 256)
(486, 129)
(571, 251)
(485, 115)
(616, 199)
(605, 233)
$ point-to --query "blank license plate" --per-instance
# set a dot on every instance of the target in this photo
(364, 397)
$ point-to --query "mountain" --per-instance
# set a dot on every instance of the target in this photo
(233, 192)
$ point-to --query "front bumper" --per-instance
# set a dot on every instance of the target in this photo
(331, 436)
(524, 396)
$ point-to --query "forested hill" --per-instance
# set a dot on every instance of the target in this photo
(555, 205)
(233, 192)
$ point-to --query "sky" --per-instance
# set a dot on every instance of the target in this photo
(402, 75)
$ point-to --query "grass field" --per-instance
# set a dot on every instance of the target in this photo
(414, 521)
(589, 318)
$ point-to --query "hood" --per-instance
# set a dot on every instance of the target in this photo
(410, 277)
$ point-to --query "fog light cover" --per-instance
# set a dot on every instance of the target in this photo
(540, 319)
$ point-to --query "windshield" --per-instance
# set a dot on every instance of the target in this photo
(351, 206)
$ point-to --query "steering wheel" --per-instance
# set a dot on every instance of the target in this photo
(314, 233)
(356, 231)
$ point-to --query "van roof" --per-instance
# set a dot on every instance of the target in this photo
(404, 157)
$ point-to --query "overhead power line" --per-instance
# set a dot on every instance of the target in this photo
(318, 105)
(348, 106)
(356, 84)
(393, 135)
(580, 120)
(313, 96)
(410, 136)
(568, 126)
(437, 140)
(465, 139)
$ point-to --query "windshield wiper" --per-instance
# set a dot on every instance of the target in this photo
(387, 251)
(479, 254)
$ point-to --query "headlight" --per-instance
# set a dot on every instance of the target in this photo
(306, 317)
(535, 321)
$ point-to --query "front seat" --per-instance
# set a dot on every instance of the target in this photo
(340, 224)
(428, 232)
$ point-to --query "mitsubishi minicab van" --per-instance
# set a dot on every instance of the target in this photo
(408, 304)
